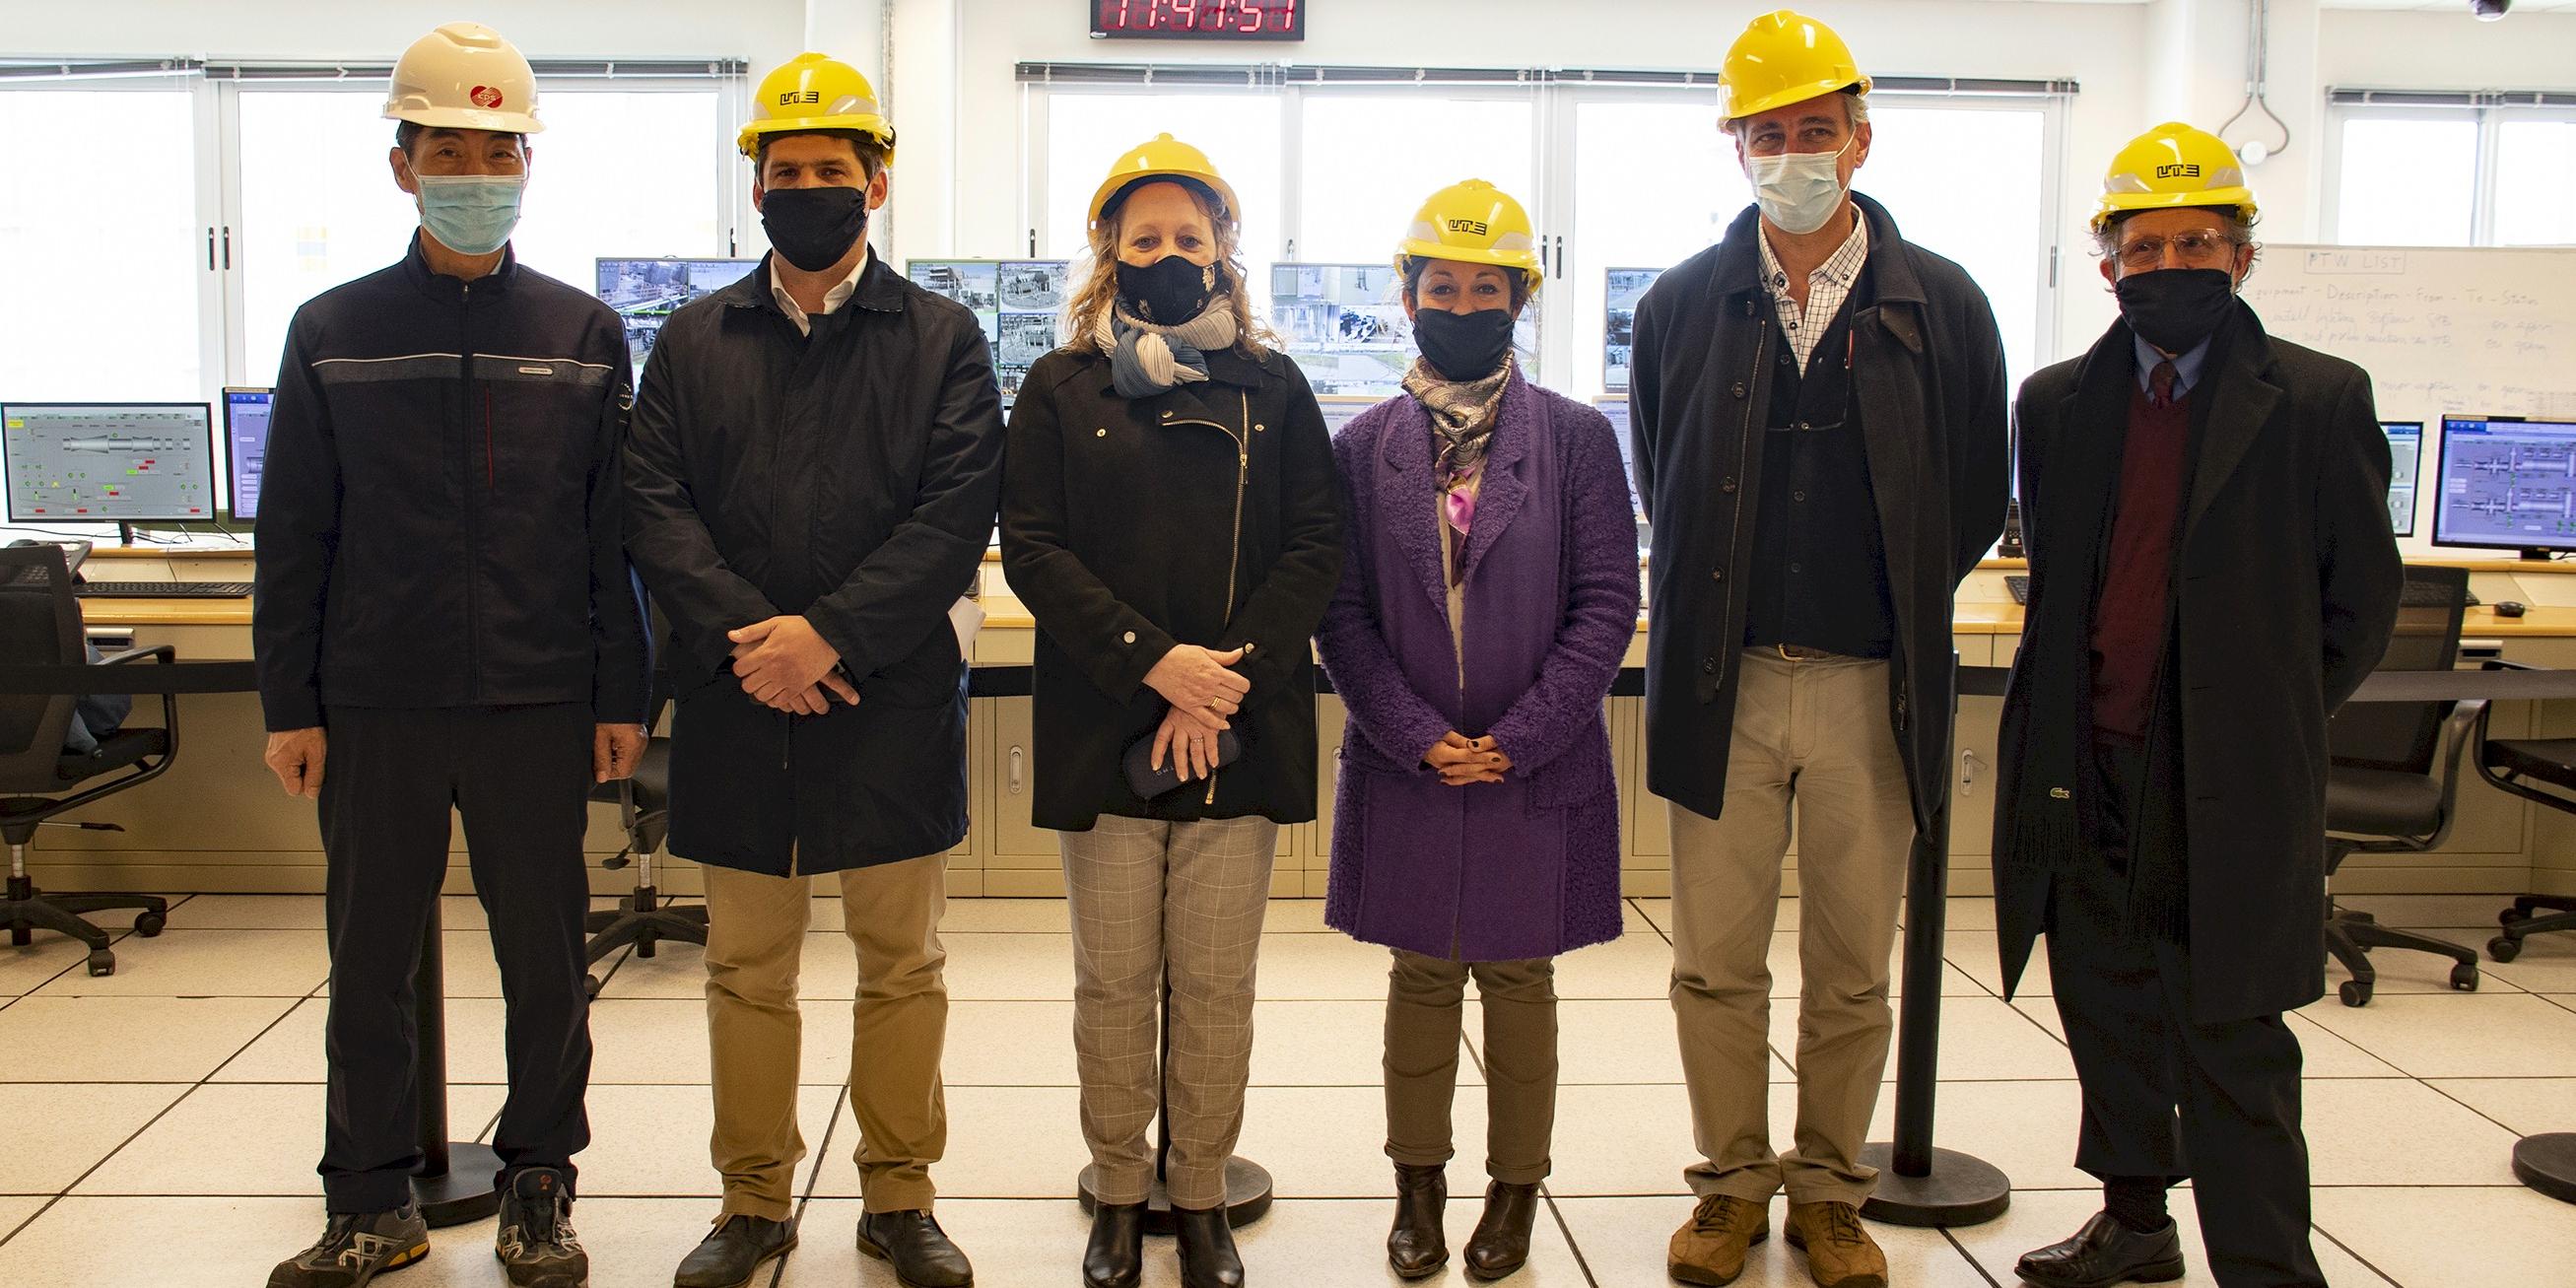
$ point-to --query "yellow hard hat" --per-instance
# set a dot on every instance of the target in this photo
(2171, 166)
(463, 76)
(815, 92)
(1784, 57)
(1163, 157)
(1473, 223)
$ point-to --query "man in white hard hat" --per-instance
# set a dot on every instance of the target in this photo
(445, 619)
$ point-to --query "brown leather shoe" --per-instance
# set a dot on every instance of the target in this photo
(1710, 1247)
(1840, 1254)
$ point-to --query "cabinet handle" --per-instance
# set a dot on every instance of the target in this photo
(1969, 763)
(1019, 768)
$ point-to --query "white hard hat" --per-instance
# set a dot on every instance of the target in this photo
(463, 76)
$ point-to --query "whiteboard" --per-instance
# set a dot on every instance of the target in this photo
(2483, 331)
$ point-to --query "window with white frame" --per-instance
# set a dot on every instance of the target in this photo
(2431, 169)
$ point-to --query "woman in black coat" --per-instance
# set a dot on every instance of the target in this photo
(1171, 517)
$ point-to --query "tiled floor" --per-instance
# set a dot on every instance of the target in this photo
(162, 1123)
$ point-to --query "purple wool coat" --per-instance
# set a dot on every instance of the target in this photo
(1528, 867)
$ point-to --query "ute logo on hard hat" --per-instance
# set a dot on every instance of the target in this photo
(1476, 227)
(793, 97)
(485, 97)
(2177, 172)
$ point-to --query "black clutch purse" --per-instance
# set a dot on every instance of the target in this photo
(1148, 782)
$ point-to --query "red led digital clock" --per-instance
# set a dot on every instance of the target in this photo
(1200, 19)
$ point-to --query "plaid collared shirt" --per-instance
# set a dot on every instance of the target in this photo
(1827, 288)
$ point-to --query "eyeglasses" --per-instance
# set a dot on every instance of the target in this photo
(2190, 248)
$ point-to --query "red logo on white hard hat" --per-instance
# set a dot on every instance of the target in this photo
(485, 97)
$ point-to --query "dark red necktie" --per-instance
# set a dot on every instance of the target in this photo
(2160, 385)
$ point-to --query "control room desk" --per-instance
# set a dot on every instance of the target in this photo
(219, 823)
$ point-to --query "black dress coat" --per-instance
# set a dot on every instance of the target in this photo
(1209, 514)
(1928, 382)
(850, 478)
(2285, 590)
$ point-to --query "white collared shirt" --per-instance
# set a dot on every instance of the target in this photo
(1827, 288)
(832, 299)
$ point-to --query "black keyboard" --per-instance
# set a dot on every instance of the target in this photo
(2424, 594)
(2020, 588)
(162, 589)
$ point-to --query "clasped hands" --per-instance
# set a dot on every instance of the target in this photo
(784, 663)
(1461, 760)
(1205, 694)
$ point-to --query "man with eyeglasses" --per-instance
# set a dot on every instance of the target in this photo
(2211, 575)
(1819, 422)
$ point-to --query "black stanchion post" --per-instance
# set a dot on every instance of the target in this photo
(2547, 1163)
(1247, 1183)
(1919, 1183)
(455, 1179)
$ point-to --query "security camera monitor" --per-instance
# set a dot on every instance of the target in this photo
(110, 462)
(1623, 287)
(646, 292)
(2405, 457)
(1344, 325)
(246, 446)
(1018, 302)
(2507, 484)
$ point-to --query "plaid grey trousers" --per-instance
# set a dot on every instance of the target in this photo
(1146, 895)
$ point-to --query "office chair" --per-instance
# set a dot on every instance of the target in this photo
(2394, 784)
(2513, 765)
(644, 812)
(40, 625)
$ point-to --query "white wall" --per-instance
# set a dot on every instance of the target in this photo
(763, 31)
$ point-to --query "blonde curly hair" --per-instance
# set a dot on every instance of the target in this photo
(1086, 315)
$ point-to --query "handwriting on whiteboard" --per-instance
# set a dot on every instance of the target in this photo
(2440, 330)
(2361, 260)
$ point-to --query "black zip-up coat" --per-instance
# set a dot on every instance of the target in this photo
(2285, 590)
(1208, 514)
(438, 523)
(849, 478)
(1928, 379)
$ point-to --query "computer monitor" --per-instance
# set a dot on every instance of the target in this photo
(2507, 484)
(122, 463)
(1621, 289)
(245, 446)
(1016, 301)
(2405, 458)
(646, 292)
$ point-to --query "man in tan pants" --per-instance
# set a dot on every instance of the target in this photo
(820, 720)
(1818, 410)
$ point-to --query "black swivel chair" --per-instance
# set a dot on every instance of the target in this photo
(40, 625)
(2514, 764)
(2394, 784)
(644, 811)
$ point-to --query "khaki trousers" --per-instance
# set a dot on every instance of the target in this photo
(1147, 897)
(1814, 735)
(1424, 1001)
(755, 934)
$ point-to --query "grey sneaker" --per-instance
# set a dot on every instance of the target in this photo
(535, 1242)
(356, 1247)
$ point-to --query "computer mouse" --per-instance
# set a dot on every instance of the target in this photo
(2508, 608)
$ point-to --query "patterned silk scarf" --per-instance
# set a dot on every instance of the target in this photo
(1463, 414)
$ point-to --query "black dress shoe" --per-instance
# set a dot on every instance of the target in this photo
(1418, 1245)
(917, 1248)
(1208, 1258)
(734, 1252)
(2104, 1253)
(1502, 1239)
(1116, 1257)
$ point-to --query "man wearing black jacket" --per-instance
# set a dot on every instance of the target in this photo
(445, 619)
(2211, 576)
(1819, 424)
(813, 481)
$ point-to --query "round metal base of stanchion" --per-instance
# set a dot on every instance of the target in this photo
(2547, 1163)
(463, 1192)
(1962, 1190)
(1247, 1196)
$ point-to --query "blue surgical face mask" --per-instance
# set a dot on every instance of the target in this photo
(471, 214)
(1799, 191)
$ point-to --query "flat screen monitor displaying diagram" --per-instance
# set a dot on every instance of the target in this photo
(2507, 484)
(2405, 458)
(646, 292)
(1018, 301)
(110, 462)
(246, 446)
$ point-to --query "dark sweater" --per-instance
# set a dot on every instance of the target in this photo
(2130, 614)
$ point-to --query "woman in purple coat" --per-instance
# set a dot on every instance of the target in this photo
(1488, 592)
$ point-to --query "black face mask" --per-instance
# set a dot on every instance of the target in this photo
(814, 227)
(1169, 291)
(2175, 309)
(1463, 346)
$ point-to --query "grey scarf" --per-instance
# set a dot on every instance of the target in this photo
(1145, 359)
